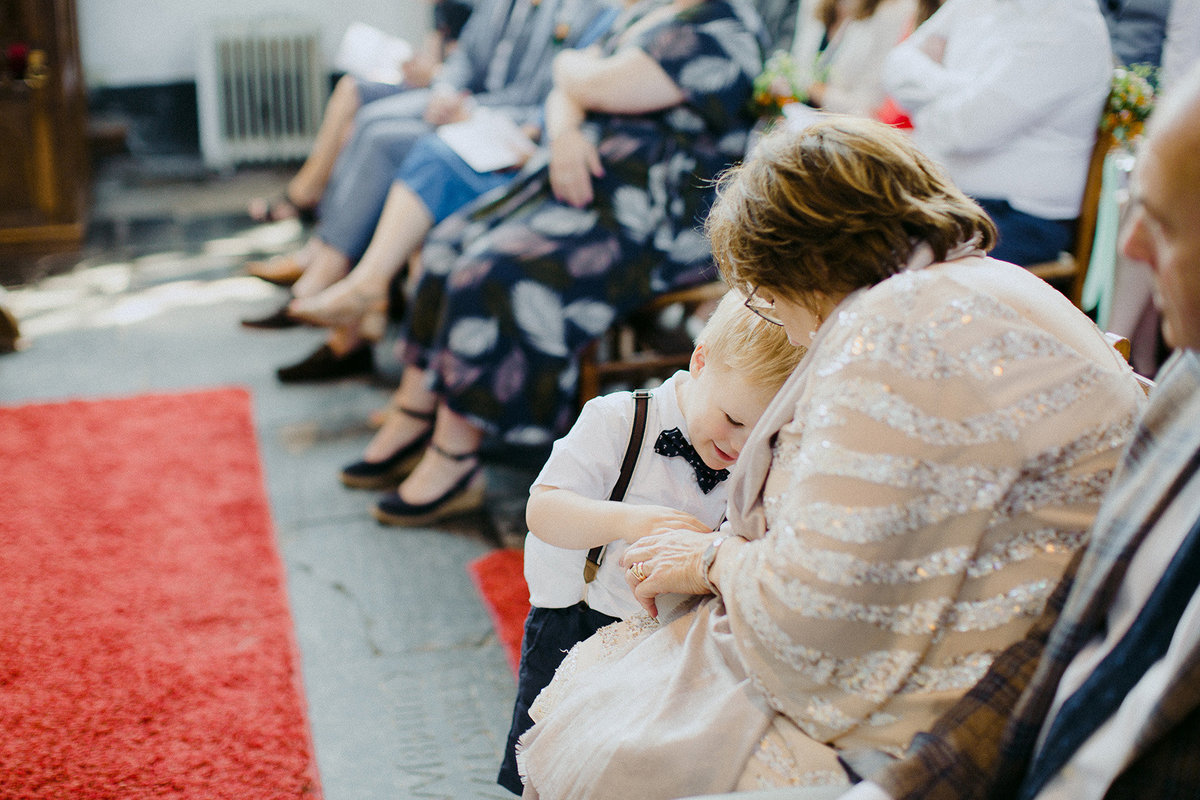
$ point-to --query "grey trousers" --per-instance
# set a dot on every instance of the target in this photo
(384, 131)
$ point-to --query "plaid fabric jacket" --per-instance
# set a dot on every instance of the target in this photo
(982, 747)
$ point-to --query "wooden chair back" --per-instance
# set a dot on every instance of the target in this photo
(1123, 346)
(646, 345)
(1069, 271)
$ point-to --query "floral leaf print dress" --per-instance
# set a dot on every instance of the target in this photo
(516, 284)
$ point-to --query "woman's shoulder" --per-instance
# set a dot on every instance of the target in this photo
(995, 291)
(961, 318)
(921, 296)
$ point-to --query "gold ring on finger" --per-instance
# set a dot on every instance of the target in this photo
(638, 570)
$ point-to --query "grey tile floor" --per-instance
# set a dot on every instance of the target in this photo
(408, 690)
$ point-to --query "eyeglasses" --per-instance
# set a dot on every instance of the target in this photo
(763, 308)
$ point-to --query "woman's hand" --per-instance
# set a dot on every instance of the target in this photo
(420, 70)
(445, 107)
(573, 163)
(671, 563)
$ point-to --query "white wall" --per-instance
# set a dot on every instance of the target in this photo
(135, 42)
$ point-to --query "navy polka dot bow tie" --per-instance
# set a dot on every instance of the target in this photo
(671, 443)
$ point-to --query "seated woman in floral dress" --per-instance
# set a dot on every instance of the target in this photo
(512, 288)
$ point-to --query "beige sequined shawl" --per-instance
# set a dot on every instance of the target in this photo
(911, 497)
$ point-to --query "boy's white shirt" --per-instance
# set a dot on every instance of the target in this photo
(587, 461)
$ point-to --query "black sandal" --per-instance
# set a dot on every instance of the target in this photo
(396, 467)
(466, 496)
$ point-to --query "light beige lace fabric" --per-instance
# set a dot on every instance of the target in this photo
(912, 497)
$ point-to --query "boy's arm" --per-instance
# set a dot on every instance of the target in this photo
(566, 519)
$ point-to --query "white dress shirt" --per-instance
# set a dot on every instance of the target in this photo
(587, 461)
(1012, 108)
(854, 57)
(1182, 46)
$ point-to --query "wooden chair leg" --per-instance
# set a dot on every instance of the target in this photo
(589, 374)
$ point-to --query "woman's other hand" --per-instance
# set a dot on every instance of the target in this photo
(672, 563)
(573, 163)
(420, 70)
(446, 106)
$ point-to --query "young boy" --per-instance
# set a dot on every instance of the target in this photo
(739, 362)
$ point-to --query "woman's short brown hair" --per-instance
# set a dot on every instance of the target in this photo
(835, 207)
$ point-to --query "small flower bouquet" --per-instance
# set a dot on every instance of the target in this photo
(778, 85)
(1129, 103)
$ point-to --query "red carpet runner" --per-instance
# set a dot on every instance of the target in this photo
(500, 578)
(146, 647)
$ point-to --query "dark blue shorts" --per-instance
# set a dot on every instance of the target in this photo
(442, 180)
(549, 634)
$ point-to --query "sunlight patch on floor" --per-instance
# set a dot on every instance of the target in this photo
(91, 304)
(124, 292)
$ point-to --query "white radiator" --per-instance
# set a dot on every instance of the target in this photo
(260, 90)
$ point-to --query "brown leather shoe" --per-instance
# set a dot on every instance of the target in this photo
(324, 365)
(276, 320)
(10, 332)
(280, 270)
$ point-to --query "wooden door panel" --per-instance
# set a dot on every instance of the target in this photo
(16, 167)
(43, 166)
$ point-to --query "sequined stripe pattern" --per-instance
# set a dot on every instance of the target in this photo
(881, 337)
(845, 569)
(928, 358)
(826, 714)
(984, 484)
(1095, 440)
(1056, 490)
(857, 525)
(878, 402)
(1024, 546)
(779, 767)
(922, 617)
(874, 675)
(877, 675)
(962, 672)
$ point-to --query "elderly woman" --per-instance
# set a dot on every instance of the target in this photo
(900, 513)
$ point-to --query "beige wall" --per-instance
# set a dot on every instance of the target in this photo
(135, 42)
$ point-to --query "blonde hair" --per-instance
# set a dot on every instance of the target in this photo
(747, 344)
(835, 207)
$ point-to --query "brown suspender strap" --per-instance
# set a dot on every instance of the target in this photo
(641, 403)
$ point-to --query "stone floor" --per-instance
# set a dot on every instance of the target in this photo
(409, 692)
